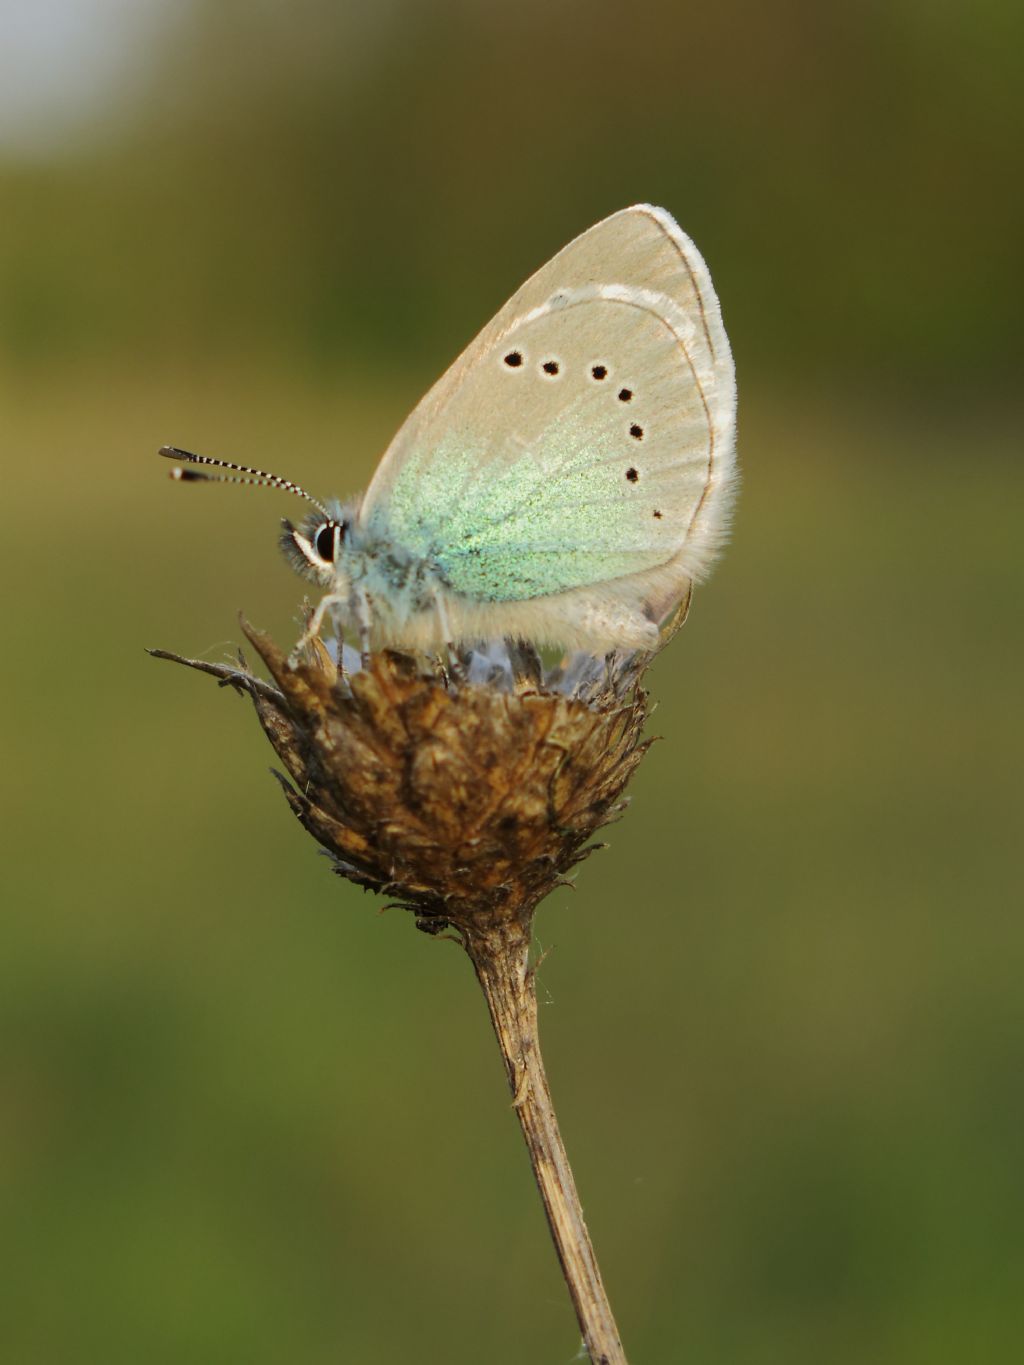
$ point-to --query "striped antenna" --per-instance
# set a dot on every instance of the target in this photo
(243, 473)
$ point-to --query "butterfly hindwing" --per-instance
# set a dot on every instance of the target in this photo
(584, 435)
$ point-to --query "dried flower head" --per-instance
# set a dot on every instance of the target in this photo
(464, 794)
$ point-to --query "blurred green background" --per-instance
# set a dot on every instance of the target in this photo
(246, 1118)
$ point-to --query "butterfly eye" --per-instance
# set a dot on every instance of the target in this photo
(326, 541)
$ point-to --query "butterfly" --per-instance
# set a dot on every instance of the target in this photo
(563, 483)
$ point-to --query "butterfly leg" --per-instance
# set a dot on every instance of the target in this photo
(328, 603)
(454, 662)
(360, 607)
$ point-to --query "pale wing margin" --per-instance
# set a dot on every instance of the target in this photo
(692, 289)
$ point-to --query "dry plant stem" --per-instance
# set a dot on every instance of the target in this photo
(499, 954)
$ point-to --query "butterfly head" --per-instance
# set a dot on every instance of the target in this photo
(316, 548)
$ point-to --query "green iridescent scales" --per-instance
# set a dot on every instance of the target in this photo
(503, 545)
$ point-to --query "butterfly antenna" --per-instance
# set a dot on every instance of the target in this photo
(241, 473)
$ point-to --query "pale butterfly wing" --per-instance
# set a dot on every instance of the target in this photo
(584, 438)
